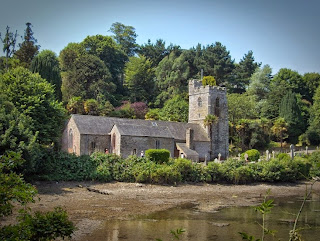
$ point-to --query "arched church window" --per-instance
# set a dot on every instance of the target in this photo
(199, 102)
(217, 107)
(70, 140)
(113, 142)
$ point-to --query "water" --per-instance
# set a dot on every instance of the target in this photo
(216, 225)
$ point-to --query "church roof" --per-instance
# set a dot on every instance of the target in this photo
(101, 125)
(141, 130)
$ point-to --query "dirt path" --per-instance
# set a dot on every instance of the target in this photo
(89, 204)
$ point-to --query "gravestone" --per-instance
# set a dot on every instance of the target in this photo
(306, 150)
(273, 154)
(267, 155)
(219, 157)
(292, 151)
(246, 157)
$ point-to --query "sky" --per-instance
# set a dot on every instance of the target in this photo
(281, 33)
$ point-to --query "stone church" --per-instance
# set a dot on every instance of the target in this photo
(85, 134)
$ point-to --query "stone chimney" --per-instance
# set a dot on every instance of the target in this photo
(189, 138)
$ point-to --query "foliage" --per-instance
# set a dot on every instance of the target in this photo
(175, 234)
(46, 64)
(34, 97)
(140, 109)
(313, 131)
(260, 82)
(9, 43)
(28, 48)
(139, 78)
(153, 114)
(290, 111)
(158, 155)
(241, 106)
(209, 80)
(75, 105)
(36, 226)
(280, 129)
(175, 109)
(126, 37)
(253, 155)
(91, 107)
(154, 52)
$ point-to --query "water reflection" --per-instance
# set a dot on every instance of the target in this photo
(222, 225)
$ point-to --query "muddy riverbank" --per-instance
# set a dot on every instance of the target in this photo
(90, 204)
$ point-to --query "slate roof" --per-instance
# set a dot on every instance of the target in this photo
(141, 130)
(101, 125)
(187, 151)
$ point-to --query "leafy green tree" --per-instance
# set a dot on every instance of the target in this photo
(75, 105)
(28, 48)
(34, 97)
(175, 109)
(9, 44)
(280, 129)
(14, 190)
(153, 114)
(209, 80)
(243, 72)
(139, 78)
(108, 51)
(172, 76)
(89, 79)
(46, 64)
(314, 128)
(312, 81)
(260, 83)
(154, 52)
(241, 106)
(91, 107)
(290, 111)
(126, 37)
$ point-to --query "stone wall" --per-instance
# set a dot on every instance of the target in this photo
(203, 149)
(94, 143)
(71, 145)
(137, 143)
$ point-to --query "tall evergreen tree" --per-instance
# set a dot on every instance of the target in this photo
(47, 65)
(290, 111)
(154, 52)
(243, 71)
(28, 48)
(9, 44)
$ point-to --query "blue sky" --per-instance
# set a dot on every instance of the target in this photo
(281, 33)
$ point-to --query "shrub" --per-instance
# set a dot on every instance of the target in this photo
(253, 155)
(158, 155)
(142, 172)
(243, 175)
(283, 156)
(213, 169)
(165, 174)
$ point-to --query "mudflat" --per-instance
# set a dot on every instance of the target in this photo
(89, 204)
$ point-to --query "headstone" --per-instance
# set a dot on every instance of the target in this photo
(267, 155)
(259, 160)
(246, 156)
(317, 147)
(239, 155)
(182, 155)
(307, 150)
(205, 159)
(273, 154)
(219, 157)
(292, 151)
(215, 159)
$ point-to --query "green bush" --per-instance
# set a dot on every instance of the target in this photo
(283, 156)
(213, 169)
(243, 175)
(315, 164)
(253, 155)
(142, 171)
(158, 155)
(165, 174)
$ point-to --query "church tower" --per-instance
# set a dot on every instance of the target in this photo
(210, 100)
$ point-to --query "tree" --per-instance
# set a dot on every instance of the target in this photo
(241, 106)
(75, 105)
(108, 51)
(172, 75)
(28, 48)
(89, 79)
(91, 107)
(9, 43)
(312, 81)
(208, 121)
(280, 129)
(47, 65)
(14, 190)
(154, 52)
(260, 83)
(34, 97)
(209, 80)
(243, 71)
(216, 61)
(126, 37)
(313, 131)
(290, 111)
(139, 78)
(175, 109)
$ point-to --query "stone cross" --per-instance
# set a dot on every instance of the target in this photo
(219, 157)
(273, 154)
(292, 151)
(267, 155)
(205, 159)
(246, 156)
(307, 150)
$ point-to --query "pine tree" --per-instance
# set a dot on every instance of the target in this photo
(28, 48)
(290, 111)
